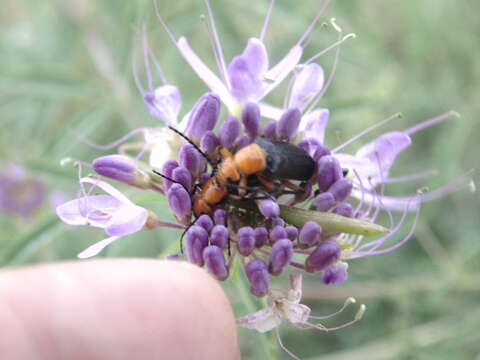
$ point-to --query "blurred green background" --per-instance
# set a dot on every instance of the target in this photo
(66, 65)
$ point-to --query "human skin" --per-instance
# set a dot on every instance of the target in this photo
(115, 309)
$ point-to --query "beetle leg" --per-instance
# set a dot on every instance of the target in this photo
(293, 186)
(269, 184)
(242, 185)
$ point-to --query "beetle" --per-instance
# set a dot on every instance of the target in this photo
(274, 163)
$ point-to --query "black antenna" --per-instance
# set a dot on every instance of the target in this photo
(192, 143)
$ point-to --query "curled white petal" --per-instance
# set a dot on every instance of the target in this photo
(97, 247)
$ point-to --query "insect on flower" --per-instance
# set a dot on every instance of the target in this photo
(265, 162)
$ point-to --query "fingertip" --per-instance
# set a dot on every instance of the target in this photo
(122, 308)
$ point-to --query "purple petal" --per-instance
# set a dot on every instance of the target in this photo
(246, 71)
(308, 83)
(255, 54)
(126, 220)
(381, 154)
(313, 124)
(75, 212)
(280, 71)
(245, 85)
(164, 103)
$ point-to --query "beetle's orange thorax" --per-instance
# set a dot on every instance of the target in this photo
(251, 159)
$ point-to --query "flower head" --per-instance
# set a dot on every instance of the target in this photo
(113, 212)
(269, 195)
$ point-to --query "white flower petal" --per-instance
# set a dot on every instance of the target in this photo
(308, 83)
(85, 210)
(295, 313)
(208, 77)
(126, 220)
(275, 75)
(270, 111)
(109, 189)
(263, 320)
(97, 247)
(313, 124)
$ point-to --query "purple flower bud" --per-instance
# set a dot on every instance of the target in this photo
(261, 236)
(328, 171)
(268, 208)
(229, 131)
(325, 201)
(191, 159)
(204, 177)
(179, 201)
(270, 130)
(197, 240)
(344, 209)
(242, 141)
(203, 116)
(257, 274)
(335, 274)
(209, 142)
(215, 262)
(292, 232)
(116, 167)
(310, 234)
(167, 170)
(341, 189)
(281, 255)
(219, 236)
(309, 145)
(321, 151)
(251, 119)
(205, 221)
(220, 216)
(278, 222)
(324, 255)
(183, 176)
(277, 233)
(288, 124)
(245, 240)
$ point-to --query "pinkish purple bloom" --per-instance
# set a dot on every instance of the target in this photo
(20, 193)
(113, 212)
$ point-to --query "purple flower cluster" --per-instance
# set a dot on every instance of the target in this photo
(314, 226)
(20, 193)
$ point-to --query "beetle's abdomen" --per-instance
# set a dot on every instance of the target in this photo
(286, 161)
